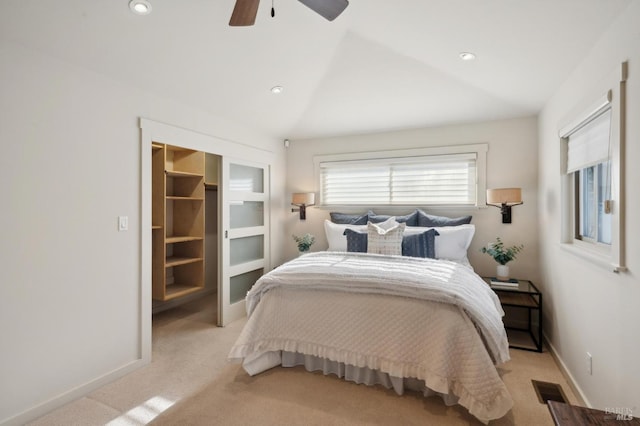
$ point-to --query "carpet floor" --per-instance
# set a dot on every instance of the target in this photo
(293, 396)
(190, 382)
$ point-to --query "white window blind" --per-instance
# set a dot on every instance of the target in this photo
(433, 179)
(589, 145)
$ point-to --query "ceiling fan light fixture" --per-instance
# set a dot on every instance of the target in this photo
(277, 89)
(140, 7)
(467, 56)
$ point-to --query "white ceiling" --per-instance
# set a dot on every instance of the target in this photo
(381, 65)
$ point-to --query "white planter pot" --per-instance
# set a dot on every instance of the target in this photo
(502, 272)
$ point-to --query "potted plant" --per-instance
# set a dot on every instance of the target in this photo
(502, 255)
(304, 242)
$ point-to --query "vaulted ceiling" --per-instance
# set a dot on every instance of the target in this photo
(381, 65)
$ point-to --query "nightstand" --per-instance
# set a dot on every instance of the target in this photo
(525, 296)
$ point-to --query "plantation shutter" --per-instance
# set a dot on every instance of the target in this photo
(426, 180)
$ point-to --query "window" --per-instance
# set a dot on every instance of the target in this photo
(592, 179)
(430, 176)
(593, 214)
(588, 159)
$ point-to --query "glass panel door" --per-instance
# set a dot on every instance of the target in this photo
(245, 239)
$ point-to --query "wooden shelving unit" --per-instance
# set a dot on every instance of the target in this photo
(177, 221)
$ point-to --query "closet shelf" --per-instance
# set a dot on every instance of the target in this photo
(174, 291)
(178, 174)
(182, 239)
(175, 261)
(175, 197)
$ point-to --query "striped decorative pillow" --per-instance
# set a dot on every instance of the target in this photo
(385, 238)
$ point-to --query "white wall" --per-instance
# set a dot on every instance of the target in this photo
(70, 164)
(588, 308)
(511, 162)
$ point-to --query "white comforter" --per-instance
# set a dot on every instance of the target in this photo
(429, 319)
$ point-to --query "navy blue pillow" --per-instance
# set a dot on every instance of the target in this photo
(420, 245)
(410, 219)
(431, 221)
(351, 219)
(356, 241)
(417, 245)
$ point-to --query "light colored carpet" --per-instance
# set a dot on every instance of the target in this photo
(189, 368)
(189, 352)
(293, 396)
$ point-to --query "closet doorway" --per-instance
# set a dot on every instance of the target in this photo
(208, 201)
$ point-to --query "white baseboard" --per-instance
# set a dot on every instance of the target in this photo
(71, 395)
(582, 399)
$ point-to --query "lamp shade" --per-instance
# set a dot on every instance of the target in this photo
(306, 198)
(504, 196)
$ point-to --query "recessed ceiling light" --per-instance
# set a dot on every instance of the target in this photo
(277, 89)
(467, 56)
(140, 7)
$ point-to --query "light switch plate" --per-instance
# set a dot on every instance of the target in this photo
(123, 223)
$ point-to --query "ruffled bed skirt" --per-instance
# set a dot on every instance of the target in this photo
(360, 375)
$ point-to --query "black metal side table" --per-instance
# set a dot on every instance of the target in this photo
(523, 295)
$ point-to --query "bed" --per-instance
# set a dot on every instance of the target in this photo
(403, 322)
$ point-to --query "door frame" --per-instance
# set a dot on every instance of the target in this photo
(155, 131)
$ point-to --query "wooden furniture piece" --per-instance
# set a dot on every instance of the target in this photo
(523, 296)
(177, 221)
(572, 415)
(211, 236)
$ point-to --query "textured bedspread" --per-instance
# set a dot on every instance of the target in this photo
(406, 317)
(426, 279)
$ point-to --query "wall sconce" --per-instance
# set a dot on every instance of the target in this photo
(302, 200)
(504, 198)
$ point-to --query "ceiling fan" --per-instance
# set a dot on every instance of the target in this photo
(244, 12)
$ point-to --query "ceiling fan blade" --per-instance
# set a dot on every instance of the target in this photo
(244, 13)
(330, 9)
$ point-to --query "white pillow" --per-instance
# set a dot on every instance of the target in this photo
(385, 237)
(453, 241)
(334, 232)
(387, 224)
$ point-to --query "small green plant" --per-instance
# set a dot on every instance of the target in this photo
(500, 253)
(304, 242)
